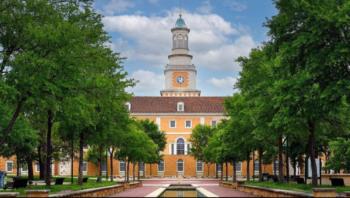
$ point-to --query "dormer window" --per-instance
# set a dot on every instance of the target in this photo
(180, 106)
(128, 106)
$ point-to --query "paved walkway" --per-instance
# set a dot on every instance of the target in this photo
(137, 192)
(211, 185)
(226, 192)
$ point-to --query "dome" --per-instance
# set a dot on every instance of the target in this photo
(180, 23)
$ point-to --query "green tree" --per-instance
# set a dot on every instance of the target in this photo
(313, 49)
(200, 139)
(340, 152)
(158, 137)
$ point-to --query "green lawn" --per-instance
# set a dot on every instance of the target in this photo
(293, 186)
(58, 188)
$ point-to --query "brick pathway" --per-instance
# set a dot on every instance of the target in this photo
(137, 192)
(211, 185)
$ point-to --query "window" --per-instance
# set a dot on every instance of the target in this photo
(180, 146)
(188, 124)
(172, 124)
(37, 167)
(122, 166)
(161, 166)
(218, 167)
(213, 123)
(239, 166)
(85, 166)
(180, 106)
(199, 166)
(142, 166)
(180, 165)
(9, 166)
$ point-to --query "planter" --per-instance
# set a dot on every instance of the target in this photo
(9, 194)
(37, 193)
(324, 192)
(268, 192)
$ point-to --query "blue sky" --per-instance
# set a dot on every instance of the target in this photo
(221, 31)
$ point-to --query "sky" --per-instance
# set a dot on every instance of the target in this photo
(221, 31)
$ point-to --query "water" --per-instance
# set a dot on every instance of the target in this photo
(181, 190)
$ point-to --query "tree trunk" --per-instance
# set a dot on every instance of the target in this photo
(18, 168)
(216, 170)
(234, 175)
(48, 148)
(30, 169)
(222, 172)
(253, 160)
(248, 163)
(260, 163)
(14, 117)
(294, 167)
(306, 171)
(312, 153)
(81, 156)
(226, 170)
(41, 163)
(127, 171)
(106, 164)
(111, 162)
(280, 159)
(72, 160)
(287, 161)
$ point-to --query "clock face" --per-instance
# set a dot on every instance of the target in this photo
(180, 79)
(179, 37)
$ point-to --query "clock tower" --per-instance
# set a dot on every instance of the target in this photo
(180, 73)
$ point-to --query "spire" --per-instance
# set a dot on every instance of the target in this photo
(180, 23)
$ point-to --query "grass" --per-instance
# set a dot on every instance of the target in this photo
(59, 188)
(294, 186)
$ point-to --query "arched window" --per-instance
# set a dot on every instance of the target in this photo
(180, 165)
(180, 146)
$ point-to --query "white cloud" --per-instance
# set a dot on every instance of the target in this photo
(148, 83)
(214, 42)
(117, 6)
(225, 85)
(205, 8)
